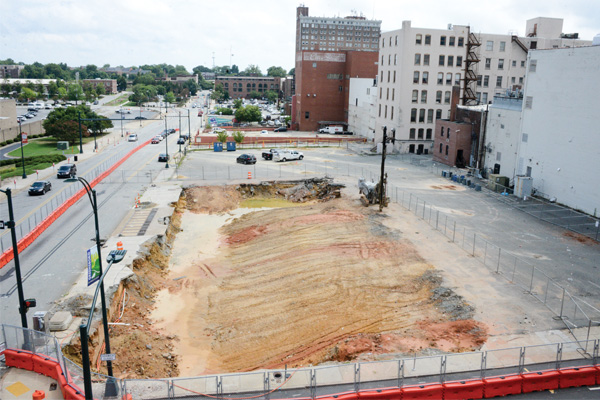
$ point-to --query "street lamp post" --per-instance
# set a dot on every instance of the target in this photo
(80, 136)
(121, 121)
(92, 196)
(22, 155)
(179, 141)
(166, 143)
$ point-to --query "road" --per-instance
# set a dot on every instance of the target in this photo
(55, 261)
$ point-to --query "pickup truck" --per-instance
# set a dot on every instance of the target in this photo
(286, 155)
(268, 155)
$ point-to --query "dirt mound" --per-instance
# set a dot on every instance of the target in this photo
(212, 199)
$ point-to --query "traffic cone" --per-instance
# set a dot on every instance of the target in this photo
(249, 175)
(119, 245)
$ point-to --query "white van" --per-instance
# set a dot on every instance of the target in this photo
(332, 129)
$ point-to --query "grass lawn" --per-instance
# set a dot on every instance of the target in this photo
(42, 147)
(118, 101)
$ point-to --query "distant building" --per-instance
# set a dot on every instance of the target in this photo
(240, 86)
(329, 53)
(125, 71)
(208, 76)
(10, 71)
(361, 106)
(179, 78)
(110, 85)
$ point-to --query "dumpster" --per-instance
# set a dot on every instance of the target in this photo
(218, 146)
(230, 146)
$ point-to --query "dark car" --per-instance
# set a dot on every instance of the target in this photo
(246, 159)
(40, 187)
(280, 129)
(66, 171)
(162, 157)
(171, 131)
(140, 117)
(181, 141)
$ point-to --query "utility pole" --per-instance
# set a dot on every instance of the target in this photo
(383, 178)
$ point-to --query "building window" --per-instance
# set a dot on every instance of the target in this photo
(441, 147)
(533, 45)
(413, 115)
(412, 133)
(380, 93)
(382, 60)
(451, 41)
(489, 45)
(388, 76)
(392, 113)
(417, 59)
(340, 89)
(456, 79)
(522, 64)
(521, 80)
(438, 97)
(419, 39)
(426, 59)
(440, 78)
(393, 93)
(442, 61)
(513, 80)
(425, 77)
(314, 65)
(395, 40)
(395, 59)
(427, 39)
(442, 132)
(416, 77)
(421, 131)
(385, 113)
(449, 78)
(430, 116)
(532, 65)
(446, 149)
(380, 110)
(461, 42)
(438, 114)
(528, 102)
(423, 96)
(501, 63)
(502, 46)
(450, 61)
(498, 81)
(422, 115)
(442, 40)
(307, 115)
(488, 63)
(428, 137)
(387, 95)
(394, 76)
(514, 63)
(486, 81)
(415, 96)
(459, 61)
(484, 98)
(447, 98)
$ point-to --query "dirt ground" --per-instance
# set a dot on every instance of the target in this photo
(251, 288)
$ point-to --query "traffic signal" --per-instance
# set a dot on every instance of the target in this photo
(29, 303)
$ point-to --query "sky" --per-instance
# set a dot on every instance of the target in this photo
(240, 32)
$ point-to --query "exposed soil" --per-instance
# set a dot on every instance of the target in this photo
(579, 237)
(299, 285)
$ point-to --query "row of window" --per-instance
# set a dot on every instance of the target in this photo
(332, 36)
(441, 60)
(438, 96)
(450, 40)
(250, 85)
(421, 115)
(322, 46)
(339, 24)
(419, 133)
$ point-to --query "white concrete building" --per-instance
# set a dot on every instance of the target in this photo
(560, 141)
(418, 67)
(362, 99)
(502, 134)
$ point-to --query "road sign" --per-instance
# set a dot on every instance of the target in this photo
(24, 138)
(108, 357)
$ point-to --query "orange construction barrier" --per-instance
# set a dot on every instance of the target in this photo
(249, 175)
(38, 395)
(119, 245)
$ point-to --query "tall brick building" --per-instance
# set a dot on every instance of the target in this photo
(329, 53)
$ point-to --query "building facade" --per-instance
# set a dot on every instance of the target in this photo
(110, 85)
(361, 107)
(240, 86)
(559, 145)
(330, 52)
(418, 67)
(10, 71)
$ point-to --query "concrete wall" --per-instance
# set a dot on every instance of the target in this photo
(361, 115)
(560, 121)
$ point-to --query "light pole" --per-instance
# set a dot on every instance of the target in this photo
(92, 196)
(166, 141)
(179, 141)
(121, 121)
(80, 136)
(22, 155)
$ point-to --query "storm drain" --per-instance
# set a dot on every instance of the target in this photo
(139, 222)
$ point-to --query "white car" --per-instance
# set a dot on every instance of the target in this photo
(264, 131)
(132, 138)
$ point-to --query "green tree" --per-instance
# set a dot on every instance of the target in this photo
(235, 69)
(276, 71)
(252, 70)
(292, 71)
(121, 83)
(238, 137)
(254, 95)
(237, 103)
(66, 130)
(248, 114)
(94, 123)
(191, 86)
(271, 96)
(100, 90)
(27, 94)
(170, 97)
(224, 111)
(5, 88)
(200, 68)
(222, 136)
(75, 92)
(62, 93)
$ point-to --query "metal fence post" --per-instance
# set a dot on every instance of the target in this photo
(400, 373)
(454, 232)
(203, 172)
(445, 225)
(483, 364)
(499, 254)
(531, 283)
(442, 369)
(423, 209)
(474, 238)
(562, 302)
(357, 377)
(437, 218)
(409, 201)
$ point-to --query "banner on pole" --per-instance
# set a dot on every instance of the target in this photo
(93, 265)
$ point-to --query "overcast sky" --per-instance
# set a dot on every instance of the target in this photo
(261, 32)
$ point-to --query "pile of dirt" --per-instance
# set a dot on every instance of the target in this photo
(315, 189)
(302, 285)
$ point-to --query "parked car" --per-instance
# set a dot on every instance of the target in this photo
(280, 129)
(156, 139)
(40, 187)
(171, 131)
(132, 138)
(264, 131)
(162, 157)
(287, 155)
(140, 117)
(66, 171)
(246, 159)
(268, 155)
